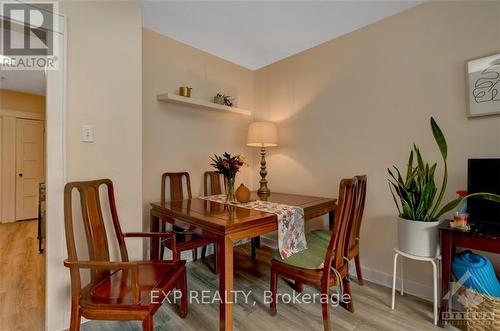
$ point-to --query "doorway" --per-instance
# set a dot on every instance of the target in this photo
(23, 104)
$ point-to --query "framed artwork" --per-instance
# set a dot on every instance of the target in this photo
(483, 86)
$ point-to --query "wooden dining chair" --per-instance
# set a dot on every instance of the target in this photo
(187, 238)
(354, 234)
(123, 290)
(322, 263)
(212, 186)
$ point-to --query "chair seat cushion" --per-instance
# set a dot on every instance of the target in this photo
(117, 289)
(314, 256)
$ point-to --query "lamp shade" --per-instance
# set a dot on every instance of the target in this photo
(262, 134)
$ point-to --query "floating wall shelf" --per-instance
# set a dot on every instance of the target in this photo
(174, 98)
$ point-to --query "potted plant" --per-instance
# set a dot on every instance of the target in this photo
(415, 197)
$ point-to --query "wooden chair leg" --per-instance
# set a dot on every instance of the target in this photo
(299, 287)
(254, 249)
(347, 290)
(325, 308)
(75, 318)
(147, 323)
(358, 269)
(195, 254)
(216, 270)
(183, 289)
(274, 288)
(257, 241)
(203, 252)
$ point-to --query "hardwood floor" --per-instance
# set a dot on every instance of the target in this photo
(371, 305)
(22, 278)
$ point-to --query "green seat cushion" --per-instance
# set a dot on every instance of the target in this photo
(314, 256)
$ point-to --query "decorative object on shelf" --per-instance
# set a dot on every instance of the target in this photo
(415, 198)
(243, 194)
(483, 90)
(185, 91)
(200, 104)
(219, 99)
(228, 166)
(223, 99)
(262, 134)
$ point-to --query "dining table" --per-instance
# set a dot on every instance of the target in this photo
(228, 223)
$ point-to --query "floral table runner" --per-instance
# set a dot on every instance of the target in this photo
(291, 232)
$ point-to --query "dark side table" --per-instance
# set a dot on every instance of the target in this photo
(478, 238)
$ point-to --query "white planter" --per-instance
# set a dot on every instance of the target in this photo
(418, 238)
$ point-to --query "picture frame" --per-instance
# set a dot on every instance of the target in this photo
(483, 86)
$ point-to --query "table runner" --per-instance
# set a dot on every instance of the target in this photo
(291, 232)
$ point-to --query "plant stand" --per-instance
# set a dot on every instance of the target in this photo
(433, 260)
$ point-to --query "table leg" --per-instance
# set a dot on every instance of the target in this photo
(446, 250)
(225, 264)
(154, 226)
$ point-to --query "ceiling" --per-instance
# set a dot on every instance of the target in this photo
(256, 34)
(28, 81)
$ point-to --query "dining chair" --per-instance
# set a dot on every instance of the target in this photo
(187, 237)
(322, 264)
(125, 290)
(212, 186)
(354, 234)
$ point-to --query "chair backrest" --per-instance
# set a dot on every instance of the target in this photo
(211, 183)
(343, 217)
(93, 223)
(359, 206)
(176, 187)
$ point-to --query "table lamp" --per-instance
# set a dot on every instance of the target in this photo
(262, 134)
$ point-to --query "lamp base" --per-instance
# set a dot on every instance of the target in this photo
(263, 191)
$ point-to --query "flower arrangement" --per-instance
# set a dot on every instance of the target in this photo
(228, 166)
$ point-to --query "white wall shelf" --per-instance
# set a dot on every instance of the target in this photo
(174, 98)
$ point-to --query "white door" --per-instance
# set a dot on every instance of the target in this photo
(29, 167)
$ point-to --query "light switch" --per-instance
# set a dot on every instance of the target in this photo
(87, 132)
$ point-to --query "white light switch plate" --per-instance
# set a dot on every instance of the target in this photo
(87, 132)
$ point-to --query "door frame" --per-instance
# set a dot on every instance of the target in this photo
(57, 290)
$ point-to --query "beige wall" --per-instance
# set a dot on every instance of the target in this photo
(355, 105)
(104, 90)
(181, 138)
(20, 101)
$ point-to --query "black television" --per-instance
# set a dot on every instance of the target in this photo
(484, 176)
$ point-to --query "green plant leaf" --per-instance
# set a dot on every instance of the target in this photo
(394, 197)
(439, 137)
(409, 170)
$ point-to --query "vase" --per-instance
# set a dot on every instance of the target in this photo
(230, 196)
(243, 194)
(418, 238)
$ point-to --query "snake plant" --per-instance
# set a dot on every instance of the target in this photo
(415, 195)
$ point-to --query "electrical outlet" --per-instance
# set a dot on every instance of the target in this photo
(87, 132)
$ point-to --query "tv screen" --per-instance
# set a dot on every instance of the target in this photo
(484, 176)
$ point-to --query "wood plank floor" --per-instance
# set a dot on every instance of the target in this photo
(22, 278)
(371, 304)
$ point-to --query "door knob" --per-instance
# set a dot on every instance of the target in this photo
(20, 175)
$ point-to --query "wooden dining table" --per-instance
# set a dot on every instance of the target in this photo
(228, 223)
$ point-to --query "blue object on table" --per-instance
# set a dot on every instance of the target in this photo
(482, 277)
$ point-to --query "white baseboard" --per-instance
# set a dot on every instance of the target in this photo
(381, 278)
